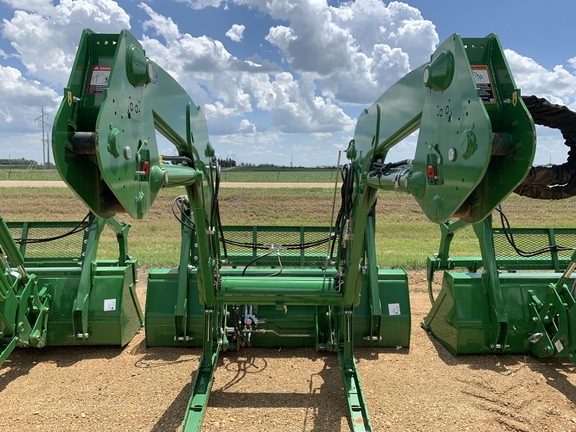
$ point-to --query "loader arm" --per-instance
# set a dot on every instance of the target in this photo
(105, 143)
(476, 144)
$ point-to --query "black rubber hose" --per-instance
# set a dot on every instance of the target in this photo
(556, 181)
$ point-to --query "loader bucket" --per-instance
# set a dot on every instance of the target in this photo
(113, 314)
(92, 302)
(530, 291)
(174, 315)
(460, 316)
(386, 324)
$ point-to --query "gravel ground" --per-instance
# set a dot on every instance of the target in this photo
(420, 389)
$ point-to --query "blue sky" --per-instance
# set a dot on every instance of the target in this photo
(280, 81)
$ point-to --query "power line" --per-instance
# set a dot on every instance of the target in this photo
(45, 139)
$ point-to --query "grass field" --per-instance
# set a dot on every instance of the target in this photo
(403, 234)
(241, 174)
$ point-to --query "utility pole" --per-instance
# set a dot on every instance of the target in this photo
(45, 139)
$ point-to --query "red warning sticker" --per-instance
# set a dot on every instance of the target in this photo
(99, 79)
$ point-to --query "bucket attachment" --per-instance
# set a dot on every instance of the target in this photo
(381, 319)
(460, 317)
(51, 275)
(516, 304)
(297, 303)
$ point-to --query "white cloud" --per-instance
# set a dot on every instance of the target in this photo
(354, 50)
(6, 115)
(236, 32)
(281, 36)
(44, 37)
(557, 85)
(21, 103)
(246, 126)
(36, 6)
(201, 4)
(161, 25)
(224, 88)
(23, 97)
(572, 62)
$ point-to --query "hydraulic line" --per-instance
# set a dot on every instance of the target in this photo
(556, 181)
(527, 254)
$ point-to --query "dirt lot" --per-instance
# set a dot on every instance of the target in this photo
(421, 389)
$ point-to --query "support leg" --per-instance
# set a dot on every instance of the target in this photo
(203, 382)
(359, 419)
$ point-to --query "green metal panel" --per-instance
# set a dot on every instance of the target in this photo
(296, 325)
(390, 326)
(452, 117)
(460, 316)
(160, 325)
(508, 117)
(476, 141)
(113, 317)
(104, 135)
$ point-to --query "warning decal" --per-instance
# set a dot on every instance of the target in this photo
(483, 82)
(109, 305)
(394, 309)
(99, 79)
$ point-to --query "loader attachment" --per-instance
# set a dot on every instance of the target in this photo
(68, 295)
(476, 145)
(533, 292)
(296, 307)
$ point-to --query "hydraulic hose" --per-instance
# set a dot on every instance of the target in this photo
(556, 181)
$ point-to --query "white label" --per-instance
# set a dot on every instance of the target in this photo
(99, 79)
(393, 308)
(559, 346)
(109, 305)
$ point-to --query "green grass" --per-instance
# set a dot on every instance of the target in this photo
(244, 175)
(404, 237)
(29, 175)
(287, 175)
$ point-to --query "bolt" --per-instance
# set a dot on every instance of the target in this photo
(127, 152)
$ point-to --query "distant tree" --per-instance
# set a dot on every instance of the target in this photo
(227, 163)
(19, 162)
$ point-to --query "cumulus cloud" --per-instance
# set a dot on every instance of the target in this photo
(246, 126)
(236, 32)
(44, 36)
(557, 84)
(160, 25)
(354, 50)
(20, 105)
(225, 89)
(332, 56)
(37, 6)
